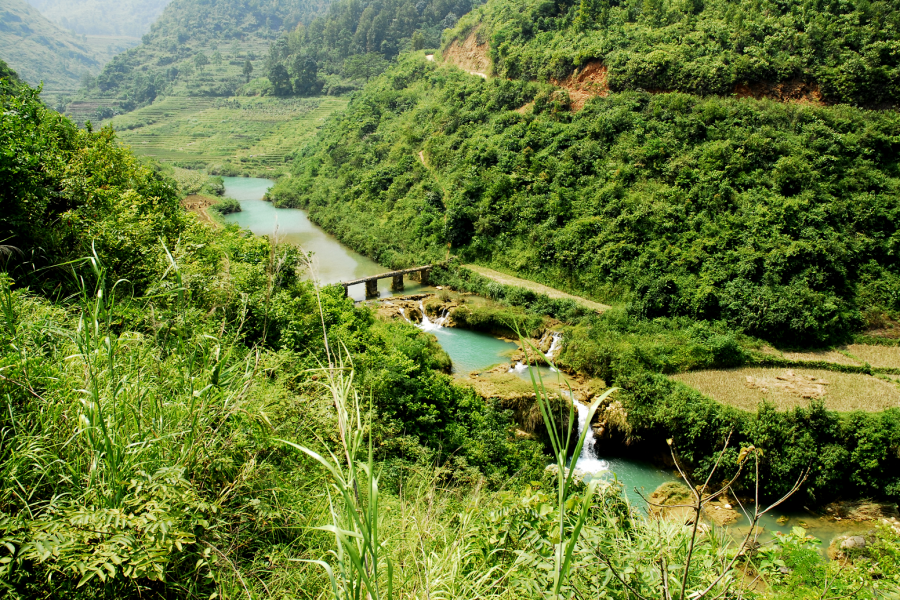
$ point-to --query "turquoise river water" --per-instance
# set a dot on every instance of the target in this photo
(470, 351)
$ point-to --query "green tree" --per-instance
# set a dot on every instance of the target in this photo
(418, 41)
(280, 79)
(247, 70)
(201, 61)
(364, 66)
(217, 58)
(305, 73)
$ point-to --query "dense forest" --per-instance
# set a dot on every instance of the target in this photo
(315, 55)
(846, 50)
(200, 49)
(779, 219)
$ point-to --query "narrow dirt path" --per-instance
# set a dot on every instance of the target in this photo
(199, 205)
(535, 287)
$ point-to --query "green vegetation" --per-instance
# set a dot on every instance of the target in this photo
(225, 136)
(158, 377)
(778, 219)
(130, 18)
(42, 52)
(846, 49)
(198, 49)
(853, 453)
(343, 48)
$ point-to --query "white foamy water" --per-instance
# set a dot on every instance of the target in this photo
(429, 325)
(554, 346)
(588, 461)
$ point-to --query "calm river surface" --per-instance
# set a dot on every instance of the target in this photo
(470, 351)
(333, 262)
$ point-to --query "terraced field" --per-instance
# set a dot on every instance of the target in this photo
(245, 134)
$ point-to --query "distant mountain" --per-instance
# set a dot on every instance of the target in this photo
(40, 51)
(131, 18)
(200, 48)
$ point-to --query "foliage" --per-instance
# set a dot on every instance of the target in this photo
(343, 46)
(165, 62)
(226, 206)
(847, 50)
(716, 209)
(68, 193)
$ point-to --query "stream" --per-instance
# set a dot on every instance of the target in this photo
(470, 351)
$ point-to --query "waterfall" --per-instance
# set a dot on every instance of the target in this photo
(429, 325)
(588, 461)
(554, 346)
(519, 367)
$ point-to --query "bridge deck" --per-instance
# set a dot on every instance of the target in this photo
(385, 275)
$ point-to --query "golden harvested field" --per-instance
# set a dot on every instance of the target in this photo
(877, 356)
(746, 387)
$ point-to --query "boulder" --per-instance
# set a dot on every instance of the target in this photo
(848, 547)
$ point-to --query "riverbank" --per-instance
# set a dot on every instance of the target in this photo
(478, 331)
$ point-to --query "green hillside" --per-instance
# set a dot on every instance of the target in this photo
(780, 219)
(315, 54)
(846, 51)
(130, 18)
(199, 48)
(40, 51)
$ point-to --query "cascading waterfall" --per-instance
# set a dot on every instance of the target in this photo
(588, 461)
(429, 325)
(555, 343)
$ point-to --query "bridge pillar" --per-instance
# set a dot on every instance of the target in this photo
(397, 283)
(423, 277)
(372, 288)
(346, 291)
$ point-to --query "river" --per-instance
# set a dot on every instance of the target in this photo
(470, 351)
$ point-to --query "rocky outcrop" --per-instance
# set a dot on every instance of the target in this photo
(862, 510)
(585, 83)
(470, 55)
(668, 502)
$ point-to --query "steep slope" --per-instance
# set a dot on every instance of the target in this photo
(780, 219)
(200, 48)
(130, 18)
(40, 51)
(376, 30)
(839, 51)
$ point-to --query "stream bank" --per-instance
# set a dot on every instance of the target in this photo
(486, 362)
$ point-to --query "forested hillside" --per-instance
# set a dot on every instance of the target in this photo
(846, 51)
(200, 49)
(41, 51)
(102, 17)
(780, 219)
(315, 54)
(156, 369)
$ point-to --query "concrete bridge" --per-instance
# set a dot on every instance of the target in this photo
(396, 285)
